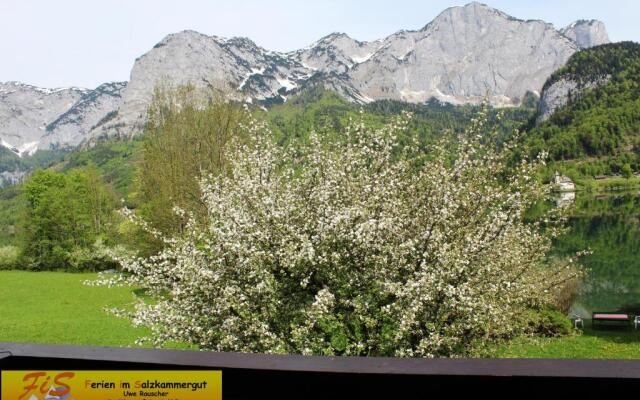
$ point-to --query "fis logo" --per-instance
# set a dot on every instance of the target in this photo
(41, 386)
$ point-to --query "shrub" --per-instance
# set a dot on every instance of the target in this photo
(566, 293)
(95, 258)
(9, 257)
(549, 322)
(357, 248)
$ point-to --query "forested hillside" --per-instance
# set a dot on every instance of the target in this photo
(325, 112)
(14, 168)
(598, 128)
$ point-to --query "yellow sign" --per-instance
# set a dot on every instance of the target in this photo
(111, 385)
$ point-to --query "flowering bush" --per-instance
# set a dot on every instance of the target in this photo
(9, 257)
(357, 248)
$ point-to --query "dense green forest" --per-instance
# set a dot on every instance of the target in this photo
(115, 159)
(10, 201)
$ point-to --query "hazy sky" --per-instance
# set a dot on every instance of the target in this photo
(53, 43)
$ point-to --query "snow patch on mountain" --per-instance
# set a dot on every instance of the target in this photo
(26, 149)
(286, 83)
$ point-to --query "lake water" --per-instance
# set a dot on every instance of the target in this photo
(609, 225)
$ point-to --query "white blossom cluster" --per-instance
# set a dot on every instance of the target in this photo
(356, 248)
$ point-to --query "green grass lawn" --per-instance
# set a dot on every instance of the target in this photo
(56, 307)
(607, 342)
(608, 184)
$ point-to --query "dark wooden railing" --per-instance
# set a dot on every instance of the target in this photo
(279, 376)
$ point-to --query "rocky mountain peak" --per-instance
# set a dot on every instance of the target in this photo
(14, 89)
(478, 13)
(587, 33)
(335, 53)
(33, 118)
(475, 11)
(242, 42)
(26, 110)
(185, 36)
(330, 38)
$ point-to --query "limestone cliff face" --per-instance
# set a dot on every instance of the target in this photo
(465, 54)
(33, 118)
(83, 120)
(559, 93)
(587, 33)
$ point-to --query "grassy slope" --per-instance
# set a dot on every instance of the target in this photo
(55, 307)
(609, 184)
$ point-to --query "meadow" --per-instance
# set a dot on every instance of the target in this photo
(58, 308)
(600, 343)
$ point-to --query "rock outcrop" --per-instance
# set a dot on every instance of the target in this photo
(336, 52)
(587, 33)
(560, 92)
(85, 118)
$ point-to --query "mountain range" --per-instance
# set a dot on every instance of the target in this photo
(464, 55)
